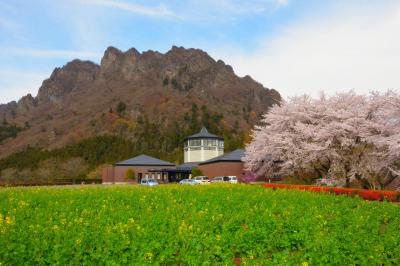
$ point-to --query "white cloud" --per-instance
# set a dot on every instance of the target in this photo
(357, 48)
(62, 54)
(229, 9)
(160, 11)
(16, 83)
(282, 2)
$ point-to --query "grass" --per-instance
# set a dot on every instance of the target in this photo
(206, 225)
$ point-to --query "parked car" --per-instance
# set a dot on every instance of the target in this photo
(231, 179)
(188, 182)
(202, 180)
(218, 179)
(225, 179)
(149, 182)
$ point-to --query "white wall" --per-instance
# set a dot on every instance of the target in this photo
(201, 155)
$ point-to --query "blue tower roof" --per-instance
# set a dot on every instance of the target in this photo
(204, 134)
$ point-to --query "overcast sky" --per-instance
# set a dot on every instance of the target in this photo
(294, 46)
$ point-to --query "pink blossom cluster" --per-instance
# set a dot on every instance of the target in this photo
(346, 135)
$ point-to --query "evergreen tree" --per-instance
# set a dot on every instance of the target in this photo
(121, 108)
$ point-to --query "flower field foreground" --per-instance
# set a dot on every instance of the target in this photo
(366, 194)
(206, 225)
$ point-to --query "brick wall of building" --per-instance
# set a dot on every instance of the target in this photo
(117, 174)
(223, 169)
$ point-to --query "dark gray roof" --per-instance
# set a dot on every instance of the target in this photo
(144, 160)
(235, 156)
(204, 134)
(187, 166)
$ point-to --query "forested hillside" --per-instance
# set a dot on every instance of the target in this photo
(149, 101)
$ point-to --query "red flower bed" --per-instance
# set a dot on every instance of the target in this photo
(363, 193)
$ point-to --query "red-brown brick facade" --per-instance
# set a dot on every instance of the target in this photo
(223, 169)
(117, 174)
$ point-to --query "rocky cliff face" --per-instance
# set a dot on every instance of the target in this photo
(80, 99)
(72, 76)
(26, 104)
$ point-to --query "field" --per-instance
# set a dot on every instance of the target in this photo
(209, 225)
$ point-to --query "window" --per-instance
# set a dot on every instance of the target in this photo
(210, 142)
(221, 143)
(195, 142)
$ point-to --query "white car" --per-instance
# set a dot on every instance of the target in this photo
(188, 182)
(232, 179)
(149, 182)
(218, 179)
(225, 179)
(202, 180)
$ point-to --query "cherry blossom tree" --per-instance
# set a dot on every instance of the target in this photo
(345, 136)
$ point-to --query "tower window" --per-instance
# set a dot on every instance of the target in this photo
(210, 142)
(195, 142)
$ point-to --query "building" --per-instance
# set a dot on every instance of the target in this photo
(229, 164)
(143, 166)
(202, 146)
(202, 150)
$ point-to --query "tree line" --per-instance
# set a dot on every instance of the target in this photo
(130, 138)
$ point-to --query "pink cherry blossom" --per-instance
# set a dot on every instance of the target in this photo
(346, 135)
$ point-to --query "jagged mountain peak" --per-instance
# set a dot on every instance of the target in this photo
(66, 79)
(74, 101)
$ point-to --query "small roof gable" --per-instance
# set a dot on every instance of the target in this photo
(204, 134)
(144, 160)
(234, 156)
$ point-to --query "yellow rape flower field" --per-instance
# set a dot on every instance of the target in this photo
(202, 225)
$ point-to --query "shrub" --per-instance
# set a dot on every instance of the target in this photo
(375, 195)
(9, 132)
(166, 81)
(250, 177)
(196, 172)
(130, 174)
(121, 108)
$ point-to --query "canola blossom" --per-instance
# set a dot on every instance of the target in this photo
(204, 225)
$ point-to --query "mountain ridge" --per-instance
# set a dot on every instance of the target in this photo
(75, 63)
(80, 99)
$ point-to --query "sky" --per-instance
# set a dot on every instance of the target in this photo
(294, 46)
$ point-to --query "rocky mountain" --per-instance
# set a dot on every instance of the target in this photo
(167, 93)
